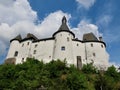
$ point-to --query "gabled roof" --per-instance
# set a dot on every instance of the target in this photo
(30, 36)
(89, 37)
(18, 37)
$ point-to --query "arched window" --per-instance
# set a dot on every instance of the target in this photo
(16, 53)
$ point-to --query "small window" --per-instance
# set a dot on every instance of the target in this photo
(22, 44)
(16, 53)
(63, 48)
(94, 54)
(91, 45)
(102, 46)
(49, 56)
(28, 43)
(77, 44)
(22, 60)
(36, 45)
(34, 52)
(68, 39)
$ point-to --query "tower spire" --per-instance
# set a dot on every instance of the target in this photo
(64, 20)
(64, 24)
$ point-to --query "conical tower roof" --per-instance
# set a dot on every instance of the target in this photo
(64, 25)
(18, 37)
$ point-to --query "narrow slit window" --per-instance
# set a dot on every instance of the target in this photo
(94, 54)
(28, 43)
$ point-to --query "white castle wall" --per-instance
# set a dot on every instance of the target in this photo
(79, 50)
(63, 39)
(44, 50)
(96, 53)
(14, 46)
(48, 49)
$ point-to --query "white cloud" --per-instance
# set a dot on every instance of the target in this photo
(85, 27)
(86, 3)
(104, 20)
(51, 24)
(17, 17)
(14, 11)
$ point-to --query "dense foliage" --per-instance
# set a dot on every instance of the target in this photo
(56, 75)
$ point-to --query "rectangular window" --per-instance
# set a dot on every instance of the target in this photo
(68, 39)
(91, 45)
(28, 43)
(16, 53)
(63, 48)
(36, 45)
(22, 44)
(94, 54)
(34, 52)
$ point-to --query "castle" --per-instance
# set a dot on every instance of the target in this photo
(62, 45)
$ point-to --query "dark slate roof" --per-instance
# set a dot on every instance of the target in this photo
(19, 38)
(64, 25)
(30, 36)
(89, 37)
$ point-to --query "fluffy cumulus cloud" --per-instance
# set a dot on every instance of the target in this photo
(85, 27)
(86, 3)
(17, 17)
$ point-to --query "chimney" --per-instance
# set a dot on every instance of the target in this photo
(100, 38)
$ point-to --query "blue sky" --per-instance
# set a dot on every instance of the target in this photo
(98, 16)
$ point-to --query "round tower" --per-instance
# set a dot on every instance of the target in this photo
(13, 52)
(63, 43)
(95, 51)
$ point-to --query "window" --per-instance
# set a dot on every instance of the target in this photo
(16, 53)
(63, 48)
(28, 43)
(49, 56)
(22, 60)
(34, 52)
(22, 44)
(91, 45)
(36, 45)
(77, 44)
(67, 38)
(101, 45)
(60, 34)
(94, 54)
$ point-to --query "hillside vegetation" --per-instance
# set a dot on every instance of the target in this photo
(56, 75)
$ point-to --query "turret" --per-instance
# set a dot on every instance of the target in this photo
(63, 42)
(95, 51)
(13, 49)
